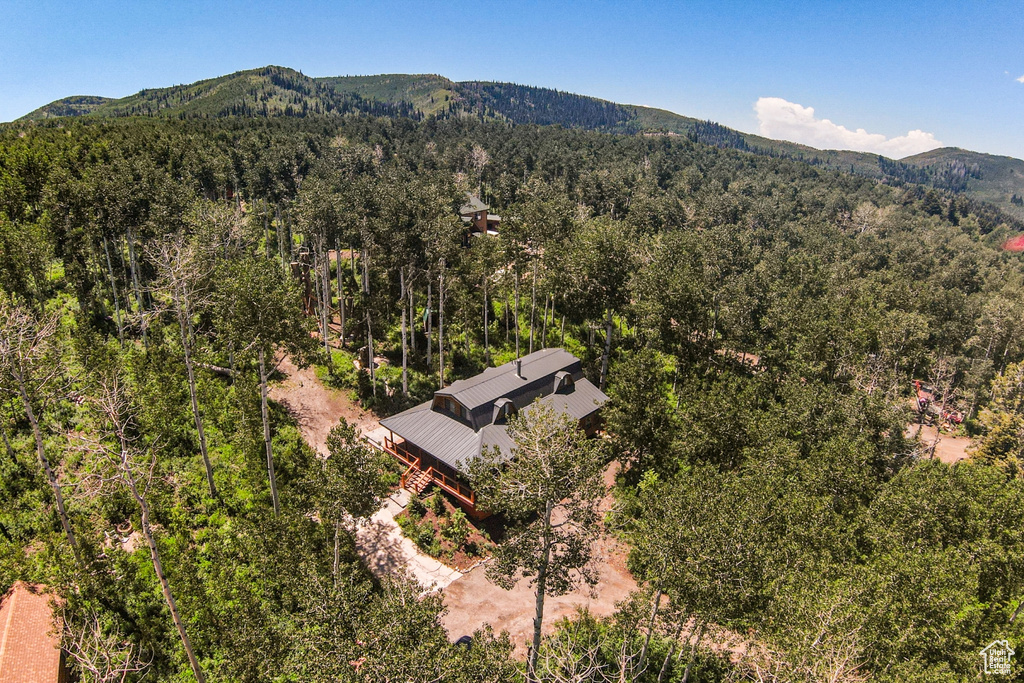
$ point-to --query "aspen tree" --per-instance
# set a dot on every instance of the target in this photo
(260, 312)
(121, 459)
(548, 490)
(182, 278)
(31, 370)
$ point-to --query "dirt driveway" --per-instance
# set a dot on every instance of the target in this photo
(473, 601)
(949, 450)
(316, 407)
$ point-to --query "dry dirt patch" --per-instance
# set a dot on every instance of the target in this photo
(317, 408)
(473, 601)
(949, 450)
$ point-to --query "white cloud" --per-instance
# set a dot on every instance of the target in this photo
(784, 120)
(1021, 79)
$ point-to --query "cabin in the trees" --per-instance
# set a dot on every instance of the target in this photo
(439, 438)
(479, 222)
(30, 649)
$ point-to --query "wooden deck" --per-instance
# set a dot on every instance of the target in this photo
(415, 468)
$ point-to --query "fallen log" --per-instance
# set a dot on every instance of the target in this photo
(226, 372)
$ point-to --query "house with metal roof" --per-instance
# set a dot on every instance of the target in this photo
(439, 439)
(478, 219)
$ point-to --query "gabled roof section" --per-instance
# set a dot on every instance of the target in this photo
(502, 381)
(458, 442)
(472, 205)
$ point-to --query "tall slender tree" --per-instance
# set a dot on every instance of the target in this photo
(32, 370)
(548, 489)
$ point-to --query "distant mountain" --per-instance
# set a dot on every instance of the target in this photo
(76, 105)
(279, 91)
(270, 91)
(997, 180)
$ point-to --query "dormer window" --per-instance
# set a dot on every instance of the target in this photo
(503, 410)
(563, 382)
(448, 405)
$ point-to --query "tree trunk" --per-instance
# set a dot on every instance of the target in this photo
(325, 314)
(186, 344)
(405, 348)
(607, 348)
(154, 555)
(516, 314)
(693, 651)
(541, 590)
(533, 303)
(266, 230)
(50, 476)
(668, 657)
(544, 326)
(289, 237)
(369, 326)
(279, 229)
(337, 542)
(113, 289)
(265, 412)
(430, 327)
(366, 272)
(412, 313)
(487, 342)
(440, 324)
(371, 366)
(561, 339)
(650, 628)
(7, 444)
(133, 264)
(341, 291)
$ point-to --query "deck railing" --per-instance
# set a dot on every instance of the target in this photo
(415, 464)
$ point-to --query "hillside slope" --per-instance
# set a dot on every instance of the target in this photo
(76, 105)
(270, 91)
(279, 91)
(997, 180)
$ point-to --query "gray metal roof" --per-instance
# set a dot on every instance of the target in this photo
(538, 368)
(472, 205)
(457, 442)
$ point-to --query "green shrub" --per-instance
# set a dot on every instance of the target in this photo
(456, 529)
(436, 504)
(407, 524)
(415, 507)
(425, 537)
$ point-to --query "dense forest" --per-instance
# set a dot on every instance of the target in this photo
(275, 91)
(758, 323)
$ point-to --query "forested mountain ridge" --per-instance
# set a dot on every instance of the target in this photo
(76, 105)
(998, 180)
(279, 91)
(267, 92)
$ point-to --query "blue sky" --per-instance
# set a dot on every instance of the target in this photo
(947, 70)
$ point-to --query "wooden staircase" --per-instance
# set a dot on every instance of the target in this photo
(417, 481)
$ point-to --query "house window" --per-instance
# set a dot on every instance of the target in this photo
(503, 410)
(453, 407)
(448, 405)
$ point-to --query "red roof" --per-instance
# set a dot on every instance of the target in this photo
(29, 647)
